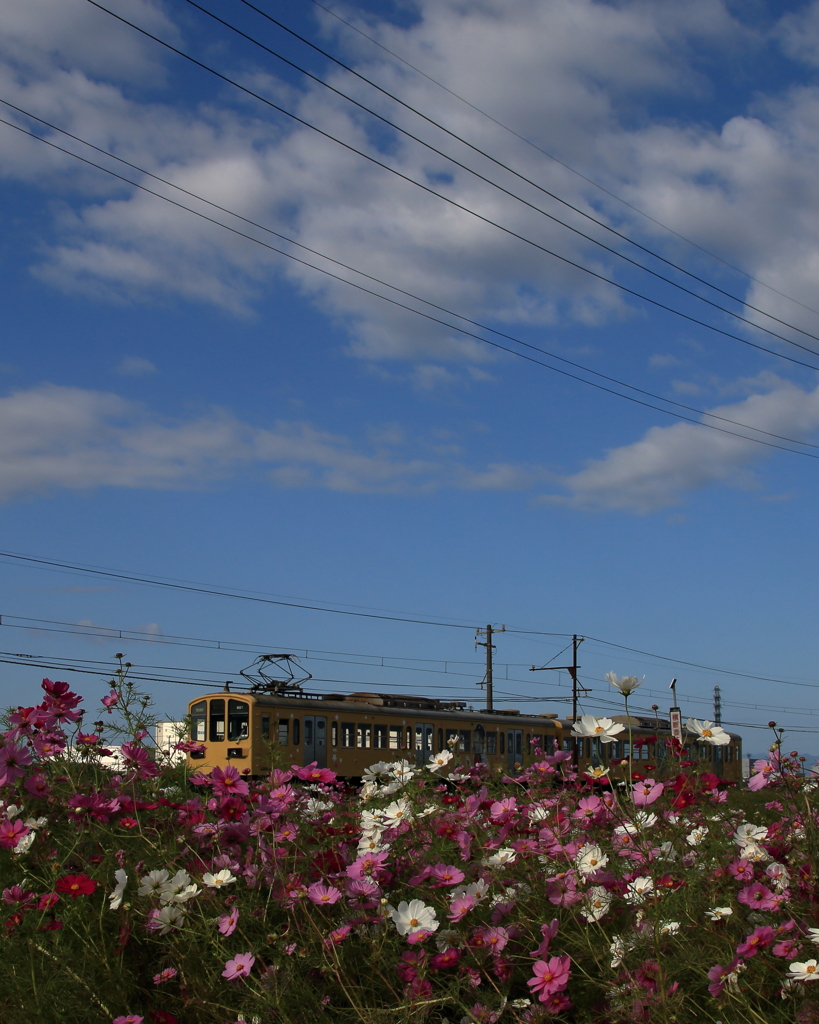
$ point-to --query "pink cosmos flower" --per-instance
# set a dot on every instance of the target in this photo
(502, 810)
(13, 763)
(758, 939)
(368, 865)
(130, 1018)
(338, 935)
(11, 832)
(460, 907)
(764, 771)
(111, 700)
(588, 807)
(239, 967)
(757, 895)
(551, 976)
(495, 939)
(138, 758)
(312, 773)
(446, 874)
(228, 782)
(448, 958)
(323, 895)
(166, 975)
(16, 895)
(228, 922)
(36, 785)
(647, 791)
(716, 976)
(741, 869)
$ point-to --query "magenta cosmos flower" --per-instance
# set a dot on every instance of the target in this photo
(13, 763)
(323, 895)
(239, 967)
(551, 976)
(647, 791)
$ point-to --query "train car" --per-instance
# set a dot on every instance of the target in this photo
(349, 732)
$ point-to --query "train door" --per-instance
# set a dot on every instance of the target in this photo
(423, 744)
(315, 740)
(514, 747)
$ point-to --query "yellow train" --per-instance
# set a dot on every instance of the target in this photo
(348, 733)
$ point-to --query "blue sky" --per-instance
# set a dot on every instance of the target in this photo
(180, 402)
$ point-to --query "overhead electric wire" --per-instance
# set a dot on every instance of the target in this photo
(377, 661)
(401, 305)
(512, 171)
(452, 202)
(562, 163)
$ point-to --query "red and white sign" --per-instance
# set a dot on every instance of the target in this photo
(676, 724)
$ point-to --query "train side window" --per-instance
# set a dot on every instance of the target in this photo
(730, 751)
(502, 742)
(394, 738)
(296, 731)
(284, 727)
(491, 743)
(465, 736)
(479, 740)
(615, 750)
(363, 736)
(440, 740)
(265, 727)
(408, 745)
(380, 737)
(308, 732)
(347, 734)
(334, 734)
(199, 716)
(217, 720)
(238, 720)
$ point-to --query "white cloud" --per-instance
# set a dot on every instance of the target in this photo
(798, 34)
(669, 462)
(135, 366)
(54, 438)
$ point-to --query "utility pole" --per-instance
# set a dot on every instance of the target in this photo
(572, 670)
(489, 648)
(717, 705)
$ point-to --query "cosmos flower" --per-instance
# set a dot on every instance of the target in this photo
(596, 903)
(603, 729)
(239, 967)
(708, 732)
(590, 858)
(807, 970)
(223, 877)
(414, 916)
(625, 684)
(115, 899)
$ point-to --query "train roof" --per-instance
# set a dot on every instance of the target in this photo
(391, 704)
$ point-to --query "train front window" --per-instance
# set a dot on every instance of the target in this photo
(199, 718)
(238, 720)
(217, 720)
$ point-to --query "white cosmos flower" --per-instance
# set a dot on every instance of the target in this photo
(439, 761)
(115, 899)
(625, 684)
(396, 812)
(24, 844)
(618, 949)
(368, 790)
(477, 889)
(603, 729)
(168, 918)
(221, 878)
(505, 855)
(669, 927)
(596, 903)
(596, 771)
(813, 935)
(748, 833)
(446, 939)
(178, 889)
(807, 970)
(401, 770)
(315, 808)
(697, 836)
(379, 768)
(153, 883)
(708, 732)
(718, 913)
(638, 889)
(372, 843)
(537, 812)
(590, 858)
(641, 820)
(414, 916)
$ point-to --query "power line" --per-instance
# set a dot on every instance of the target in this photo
(505, 167)
(568, 167)
(401, 305)
(342, 658)
(452, 202)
